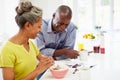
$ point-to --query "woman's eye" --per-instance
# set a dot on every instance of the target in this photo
(39, 26)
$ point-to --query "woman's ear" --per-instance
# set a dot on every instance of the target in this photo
(27, 25)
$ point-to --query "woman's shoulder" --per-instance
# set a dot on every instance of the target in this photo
(7, 47)
(31, 42)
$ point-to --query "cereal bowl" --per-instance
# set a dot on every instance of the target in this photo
(59, 71)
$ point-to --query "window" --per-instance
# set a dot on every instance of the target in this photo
(87, 14)
(116, 14)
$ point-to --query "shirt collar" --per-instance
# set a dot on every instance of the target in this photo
(49, 26)
(49, 30)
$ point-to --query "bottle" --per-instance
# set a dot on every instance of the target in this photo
(102, 47)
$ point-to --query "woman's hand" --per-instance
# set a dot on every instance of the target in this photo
(45, 63)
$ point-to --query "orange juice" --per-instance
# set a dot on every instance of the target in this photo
(80, 46)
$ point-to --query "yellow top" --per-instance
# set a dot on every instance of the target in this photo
(17, 57)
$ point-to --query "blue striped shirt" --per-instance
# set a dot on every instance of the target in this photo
(48, 41)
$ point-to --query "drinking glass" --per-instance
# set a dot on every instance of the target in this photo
(80, 46)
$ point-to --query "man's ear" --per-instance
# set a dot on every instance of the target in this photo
(53, 15)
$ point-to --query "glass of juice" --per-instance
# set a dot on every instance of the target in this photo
(80, 46)
(96, 49)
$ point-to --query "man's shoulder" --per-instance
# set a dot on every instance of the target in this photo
(71, 23)
(71, 26)
(46, 21)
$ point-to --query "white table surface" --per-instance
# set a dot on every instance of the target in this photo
(106, 68)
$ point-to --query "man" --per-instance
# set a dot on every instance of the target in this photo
(57, 38)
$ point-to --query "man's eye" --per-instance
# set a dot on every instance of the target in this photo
(61, 23)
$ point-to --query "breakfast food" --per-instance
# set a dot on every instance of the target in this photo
(59, 71)
(58, 67)
(89, 36)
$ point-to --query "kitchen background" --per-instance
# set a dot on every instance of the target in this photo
(90, 16)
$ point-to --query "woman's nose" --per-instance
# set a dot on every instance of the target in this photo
(40, 30)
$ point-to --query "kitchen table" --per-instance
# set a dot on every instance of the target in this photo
(104, 67)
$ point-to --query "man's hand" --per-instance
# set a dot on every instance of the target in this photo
(71, 53)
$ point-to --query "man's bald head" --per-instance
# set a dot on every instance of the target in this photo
(64, 10)
(61, 18)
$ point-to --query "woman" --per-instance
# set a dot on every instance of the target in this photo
(18, 57)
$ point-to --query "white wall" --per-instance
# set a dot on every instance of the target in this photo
(48, 6)
(7, 14)
(1, 17)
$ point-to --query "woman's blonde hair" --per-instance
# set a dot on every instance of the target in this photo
(26, 12)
